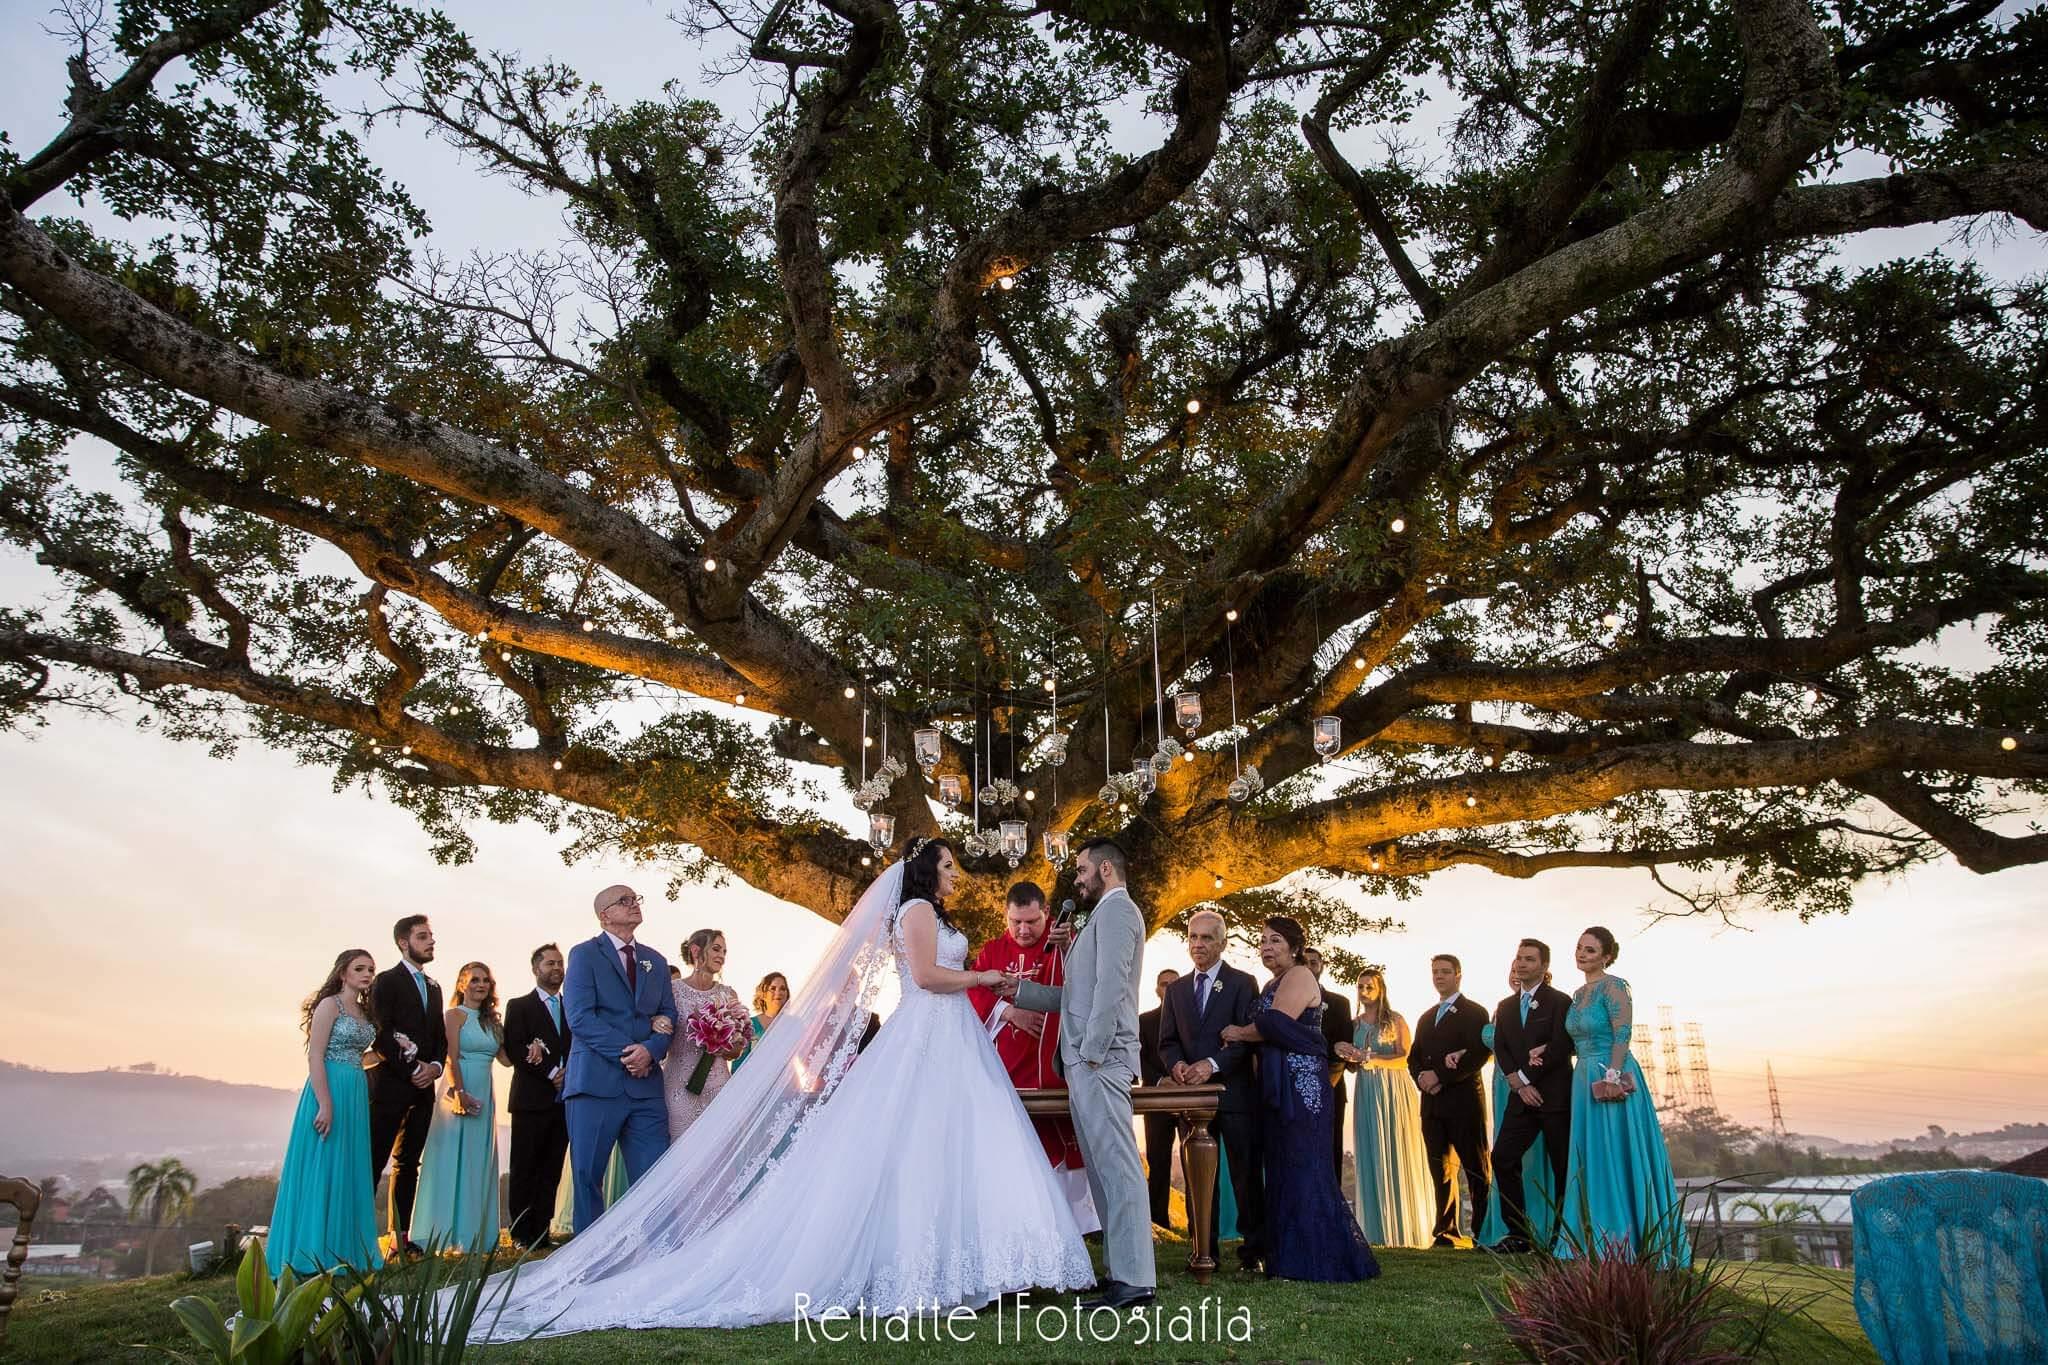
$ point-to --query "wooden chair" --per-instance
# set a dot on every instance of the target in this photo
(26, 1196)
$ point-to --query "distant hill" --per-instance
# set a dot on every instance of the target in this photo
(91, 1126)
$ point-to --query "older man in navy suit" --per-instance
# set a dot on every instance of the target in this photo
(1196, 1010)
(621, 1017)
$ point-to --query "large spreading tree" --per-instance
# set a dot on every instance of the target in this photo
(1512, 383)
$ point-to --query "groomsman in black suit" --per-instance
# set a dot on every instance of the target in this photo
(410, 1050)
(1336, 1029)
(1532, 1049)
(1192, 1018)
(537, 1041)
(1445, 1061)
(1158, 1127)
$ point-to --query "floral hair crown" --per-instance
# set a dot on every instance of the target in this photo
(915, 847)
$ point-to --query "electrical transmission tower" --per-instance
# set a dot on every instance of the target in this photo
(1645, 1049)
(1676, 1094)
(1777, 1110)
(1696, 1068)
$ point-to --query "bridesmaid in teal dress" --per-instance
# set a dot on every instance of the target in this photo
(1396, 1204)
(457, 1208)
(1620, 1194)
(325, 1217)
(1538, 1197)
(769, 998)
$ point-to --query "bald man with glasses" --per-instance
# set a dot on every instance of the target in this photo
(621, 1018)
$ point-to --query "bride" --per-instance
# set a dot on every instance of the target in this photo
(910, 1181)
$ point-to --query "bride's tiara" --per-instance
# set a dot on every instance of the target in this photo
(914, 847)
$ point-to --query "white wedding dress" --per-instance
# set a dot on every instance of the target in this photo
(907, 1180)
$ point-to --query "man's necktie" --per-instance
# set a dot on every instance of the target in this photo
(1201, 992)
(1442, 1010)
(420, 979)
(555, 1011)
(626, 961)
(1525, 1007)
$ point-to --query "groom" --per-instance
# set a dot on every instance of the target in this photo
(614, 991)
(1099, 1054)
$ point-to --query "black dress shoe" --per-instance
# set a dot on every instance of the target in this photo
(1118, 1295)
(1512, 1246)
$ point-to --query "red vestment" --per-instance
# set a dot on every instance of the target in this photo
(1030, 1061)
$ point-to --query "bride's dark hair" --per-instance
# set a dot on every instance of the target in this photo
(921, 878)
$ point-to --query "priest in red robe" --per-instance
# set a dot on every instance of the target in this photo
(1029, 1042)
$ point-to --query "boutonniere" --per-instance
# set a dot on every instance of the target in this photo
(1080, 921)
(645, 965)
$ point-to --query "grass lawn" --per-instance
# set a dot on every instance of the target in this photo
(1425, 1307)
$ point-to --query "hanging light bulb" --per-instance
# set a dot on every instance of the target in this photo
(1612, 620)
(1397, 526)
(850, 692)
(1030, 793)
(867, 741)
(925, 744)
(1329, 731)
(1471, 801)
(1006, 283)
(588, 625)
(859, 452)
(1194, 406)
(1051, 685)
(1187, 711)
(1357, 661)
(1187, 756)
(405, 749)
(483, 635)
(1216, 883)
(1812, 695)
(1489, 760)
(866, 861)
(2008, 744)
(558, 765)
(739, 699)
(1375, 863)
(710, 564)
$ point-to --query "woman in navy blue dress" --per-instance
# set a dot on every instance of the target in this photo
(1310, 1233)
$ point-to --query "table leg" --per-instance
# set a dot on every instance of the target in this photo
(1198, 1157)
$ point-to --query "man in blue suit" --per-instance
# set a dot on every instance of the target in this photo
(614, 991)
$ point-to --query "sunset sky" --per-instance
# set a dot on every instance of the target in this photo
(161, 906)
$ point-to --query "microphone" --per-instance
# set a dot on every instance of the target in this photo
(1067, 909)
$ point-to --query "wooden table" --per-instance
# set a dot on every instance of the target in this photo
(1194, 1106)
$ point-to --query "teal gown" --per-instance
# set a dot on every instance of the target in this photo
(1619, 1193)
(757, 1028)
(1396, 1203)
(325, 1216)
(1539, 1200)
(457, 1205)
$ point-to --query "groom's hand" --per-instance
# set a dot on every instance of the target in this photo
(1026, 1021)
(637, 1061)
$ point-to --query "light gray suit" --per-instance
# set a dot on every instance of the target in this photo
(1098, 1009)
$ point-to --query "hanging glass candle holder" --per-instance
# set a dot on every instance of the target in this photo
(949, 790)
(881, 830)
(1057, 850)
(1016, 841)
(1146, 782)
(1187, 712)
(1329, 733)
(1237, 789)
(925, 743)
(988, 795)
(1108, 795)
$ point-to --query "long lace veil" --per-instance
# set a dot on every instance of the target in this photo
(793, 1069)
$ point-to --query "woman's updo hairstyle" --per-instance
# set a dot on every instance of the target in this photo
(921, 877)
(1290, 929)
(1607, 942)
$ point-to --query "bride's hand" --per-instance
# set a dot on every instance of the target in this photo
(989, 980)
(664, 1024)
